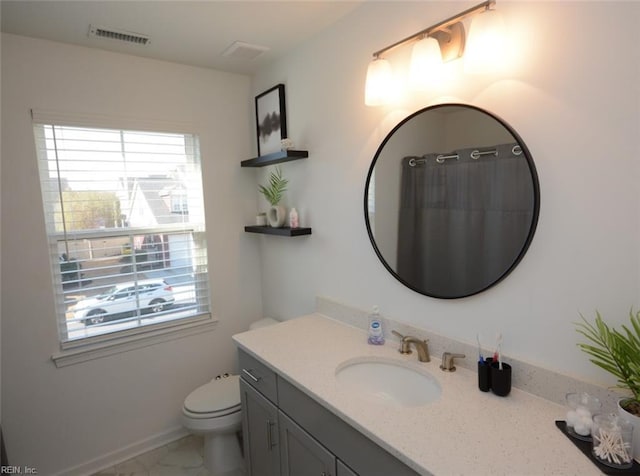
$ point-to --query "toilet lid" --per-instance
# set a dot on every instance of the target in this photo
(215, 396)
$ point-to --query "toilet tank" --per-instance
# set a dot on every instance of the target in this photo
(267, 321)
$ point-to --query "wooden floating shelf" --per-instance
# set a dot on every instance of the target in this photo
(275, 158)
(268, 230)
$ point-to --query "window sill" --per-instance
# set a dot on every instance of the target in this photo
(144, 338)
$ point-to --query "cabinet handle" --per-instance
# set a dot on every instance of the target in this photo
(270, 443)
(250, 375)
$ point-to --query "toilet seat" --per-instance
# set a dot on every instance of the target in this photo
(215, 399)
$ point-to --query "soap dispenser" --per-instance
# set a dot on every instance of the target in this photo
(376, 334)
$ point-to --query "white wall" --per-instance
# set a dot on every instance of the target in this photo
(573, 96)
(57, 418)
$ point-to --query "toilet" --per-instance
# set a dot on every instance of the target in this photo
(213, 410)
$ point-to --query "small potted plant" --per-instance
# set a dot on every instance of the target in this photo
(618, 352)
(273, 193)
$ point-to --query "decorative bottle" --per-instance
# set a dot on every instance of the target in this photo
(293, 219)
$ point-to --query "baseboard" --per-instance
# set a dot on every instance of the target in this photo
(123, 454)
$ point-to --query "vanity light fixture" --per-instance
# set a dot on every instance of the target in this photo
(378, 88)
(437, 44)
(425, 68)
(486, 44)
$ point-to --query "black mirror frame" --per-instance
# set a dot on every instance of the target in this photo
(536, 202)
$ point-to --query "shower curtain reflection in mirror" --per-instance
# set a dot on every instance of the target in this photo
(464, 221)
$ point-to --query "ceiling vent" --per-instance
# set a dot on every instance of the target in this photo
(119, 35)
(244, 51)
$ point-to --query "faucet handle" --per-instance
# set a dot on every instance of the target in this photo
(404, 344)
(447, 361)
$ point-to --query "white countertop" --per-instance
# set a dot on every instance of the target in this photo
(465, 432)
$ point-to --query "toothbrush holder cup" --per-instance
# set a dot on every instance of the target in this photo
(484, 374)
(500, 379)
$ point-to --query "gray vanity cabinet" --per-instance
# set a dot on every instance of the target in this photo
(288, 433)
(259, 433)
(301, 454)
(343, 470)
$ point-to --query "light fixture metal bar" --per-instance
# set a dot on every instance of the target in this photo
(437, 27)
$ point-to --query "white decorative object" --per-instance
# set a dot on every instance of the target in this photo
(580, 416)
(261, 219)
(277, 216)
(286, 144)
(293, 219)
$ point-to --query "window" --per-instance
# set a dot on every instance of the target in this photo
(125, 221)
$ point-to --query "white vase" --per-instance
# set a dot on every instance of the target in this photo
(635, 421)
(277, 216)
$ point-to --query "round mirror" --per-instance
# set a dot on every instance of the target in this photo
(451, 200)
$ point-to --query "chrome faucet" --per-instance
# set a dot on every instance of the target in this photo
(420, 345)
(447, 361)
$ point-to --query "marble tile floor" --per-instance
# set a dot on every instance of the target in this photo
(180, 458)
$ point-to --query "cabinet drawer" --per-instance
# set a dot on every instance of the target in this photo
(258, 375)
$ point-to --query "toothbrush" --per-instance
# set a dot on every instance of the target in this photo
(480, 356)
(497, 356)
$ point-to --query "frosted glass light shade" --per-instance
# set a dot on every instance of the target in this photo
(485, 50)
(378, 88)
(425, 69)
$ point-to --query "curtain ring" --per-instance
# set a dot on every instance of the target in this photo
(441, 158)
(412, 162)
(516, 150)
(476, 154)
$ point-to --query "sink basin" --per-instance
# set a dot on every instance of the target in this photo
(389, 381)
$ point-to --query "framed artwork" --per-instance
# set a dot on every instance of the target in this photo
(271, 120)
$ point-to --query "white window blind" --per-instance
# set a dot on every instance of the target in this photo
(125, 220)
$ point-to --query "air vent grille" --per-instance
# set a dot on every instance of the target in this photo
(119, 35)
(244, 51)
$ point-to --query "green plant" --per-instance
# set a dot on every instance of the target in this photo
(276, 187)
(617, 352)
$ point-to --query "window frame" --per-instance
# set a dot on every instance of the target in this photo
(101, 345)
